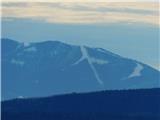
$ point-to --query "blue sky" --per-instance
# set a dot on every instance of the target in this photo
(130, 30)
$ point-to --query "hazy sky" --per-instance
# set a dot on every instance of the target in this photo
(130, 29)
(80, 0)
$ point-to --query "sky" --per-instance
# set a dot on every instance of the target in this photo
(80, 0)
(130, 29)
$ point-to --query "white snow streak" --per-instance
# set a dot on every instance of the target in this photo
(17, 62)
(90, 60)
(137, 71)
(20, 97)
(98, 61)
(26, 44)
(30, 49)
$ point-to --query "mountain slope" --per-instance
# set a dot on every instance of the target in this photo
(113, 105)
(52, 67)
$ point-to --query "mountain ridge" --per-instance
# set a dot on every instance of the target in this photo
(59, 68)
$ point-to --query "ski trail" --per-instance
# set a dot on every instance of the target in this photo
(137, 71)
(85, 56)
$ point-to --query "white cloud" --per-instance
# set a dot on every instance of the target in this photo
(84, 13)
(80, 0)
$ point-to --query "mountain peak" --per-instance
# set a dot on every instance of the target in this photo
(54, 67)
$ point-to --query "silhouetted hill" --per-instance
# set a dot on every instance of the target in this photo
(141, 104)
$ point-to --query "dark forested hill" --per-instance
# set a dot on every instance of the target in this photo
(141, 104)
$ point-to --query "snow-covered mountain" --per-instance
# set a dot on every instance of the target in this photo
(52, 67)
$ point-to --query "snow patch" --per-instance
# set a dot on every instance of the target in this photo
(137, 71)
(98, 61)
(20, 97)
(17, 62)
(26, 44)
(91, 61)
(30, 49)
